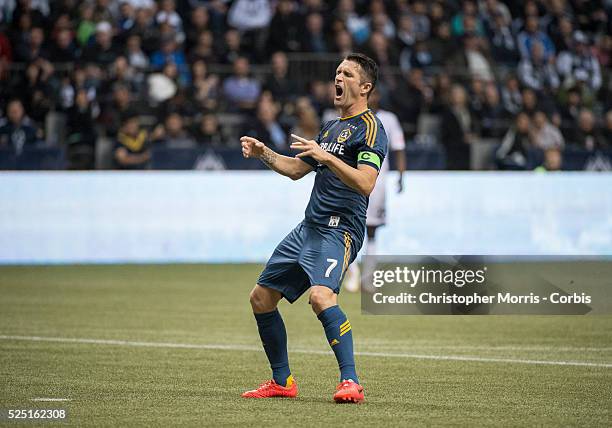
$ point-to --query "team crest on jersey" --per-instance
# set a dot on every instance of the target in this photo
(344, 135)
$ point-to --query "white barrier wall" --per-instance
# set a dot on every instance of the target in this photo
(104, 217)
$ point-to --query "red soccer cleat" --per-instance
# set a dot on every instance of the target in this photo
(271, 389)
(349, 392)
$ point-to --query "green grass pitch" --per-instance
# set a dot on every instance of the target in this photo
(118, 372)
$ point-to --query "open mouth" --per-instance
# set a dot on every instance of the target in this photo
(339, 91)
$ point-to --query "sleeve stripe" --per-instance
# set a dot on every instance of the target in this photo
(372, 127)
(368, 127)
(375, 130)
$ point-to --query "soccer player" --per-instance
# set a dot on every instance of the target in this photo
(347, 156)
(376, 215)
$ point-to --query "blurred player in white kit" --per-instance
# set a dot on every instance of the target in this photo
(376, 215)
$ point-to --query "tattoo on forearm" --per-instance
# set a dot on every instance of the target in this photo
(268, 157)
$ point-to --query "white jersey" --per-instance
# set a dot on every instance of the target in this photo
(376, 207)
(395, 135)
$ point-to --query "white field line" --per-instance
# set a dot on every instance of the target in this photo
(50, 399)
(235, 347)
(391, 344)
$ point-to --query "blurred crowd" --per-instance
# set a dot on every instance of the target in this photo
(139, 74)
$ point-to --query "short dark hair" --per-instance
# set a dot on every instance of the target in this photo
(368, 65)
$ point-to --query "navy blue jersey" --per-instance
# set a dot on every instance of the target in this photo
(358, 139)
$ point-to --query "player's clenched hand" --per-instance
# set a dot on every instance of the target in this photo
(251, 147)
(309, 148)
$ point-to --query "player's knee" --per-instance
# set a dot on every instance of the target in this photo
(256, 299)
(261, 301)
(321, 298)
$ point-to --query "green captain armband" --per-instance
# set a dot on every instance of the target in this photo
(369, 157)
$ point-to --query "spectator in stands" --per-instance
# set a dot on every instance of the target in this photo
(471, 59)
(81, 141)
(511, 95)
(121, 73)
(514, 151)
(419, 57)
(198, 24)
(564, 35)
(580, 65)
(173, 133)
(410, 97)
(101, 52)
(438, 14)
(420, 20)
(490, 10)
(537, 73)
(114, 111)
(16, 131)
(544, 134)
(494, 118)
(63, 48)
(504, 49)
(132, 145)
(355, 24)
(279, 83)
(381, 23)
(587, 136)
(247, 15)
(207, 133)
(204, 49)
(569, 112)
(532, 34)
(37, 89)
(144, 26)
(32, 46)
(87, 25)
(343, 43)
(205, 87)
(314, 38)
(134, 53)
(322, 96)
(126, 19)
(385, 55)
(232, 47)
(441, 93)
(457, 130)
(476, 97)
(468, 10)
(240, 89)
(267, 128)
(167, 15)
(308, 125)
(171, 53)
(553, 160)
(285, 28)
(530, 101)
(441, 46)
(406, 36)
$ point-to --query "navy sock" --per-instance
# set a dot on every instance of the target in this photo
(274, 339)
(340, 338)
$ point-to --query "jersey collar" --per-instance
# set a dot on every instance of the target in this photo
(355, 115)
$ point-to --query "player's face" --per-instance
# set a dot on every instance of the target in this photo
(349, 87)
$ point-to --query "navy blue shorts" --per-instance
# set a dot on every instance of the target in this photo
(309, 255)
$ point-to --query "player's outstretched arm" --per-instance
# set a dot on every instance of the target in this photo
(362, 178)
(288, 166)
